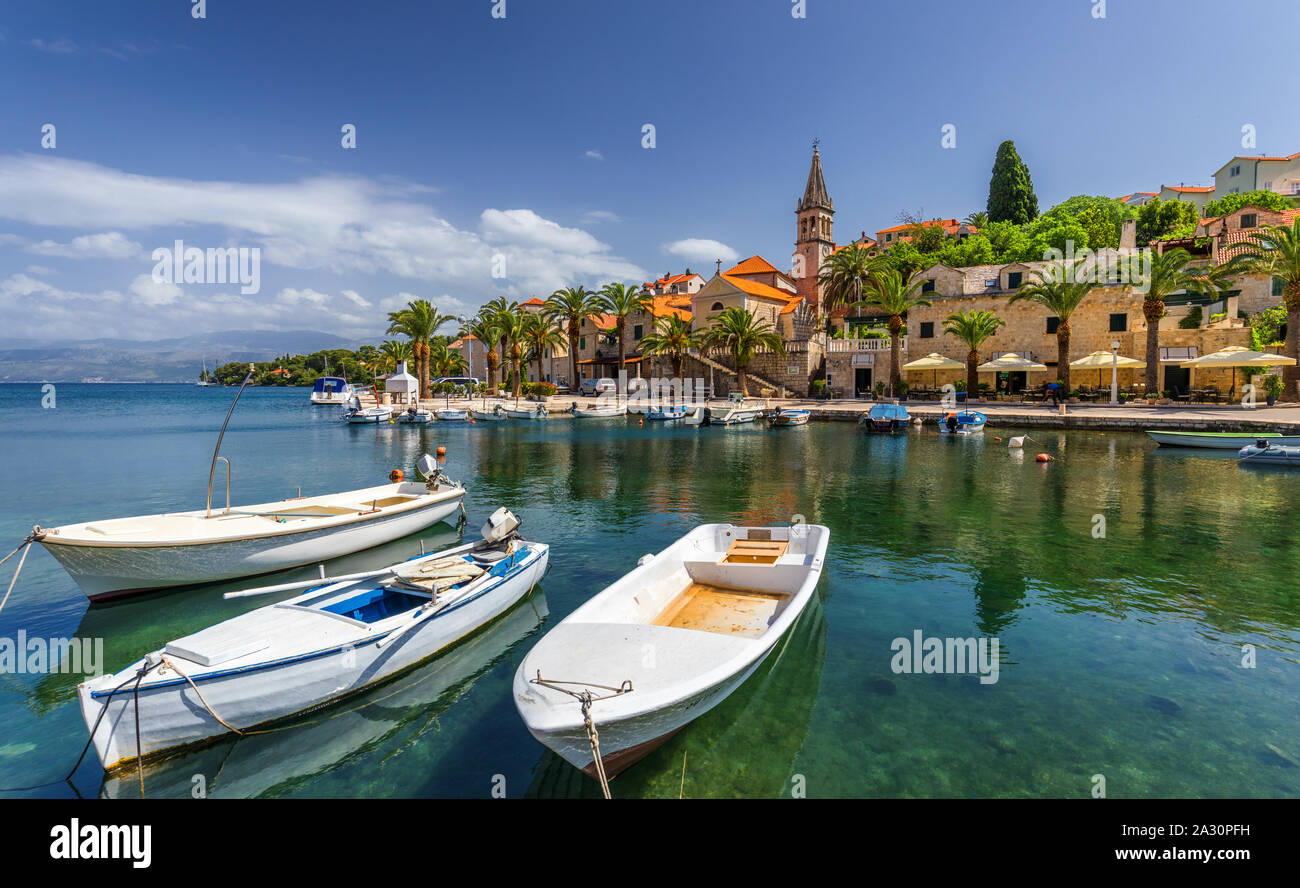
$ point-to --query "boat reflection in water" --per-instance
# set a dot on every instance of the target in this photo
(746, 746)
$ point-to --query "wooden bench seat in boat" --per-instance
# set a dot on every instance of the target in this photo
(707, 608)
(755, 551)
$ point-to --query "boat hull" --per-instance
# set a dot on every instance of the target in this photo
(111, 572)
(1219, 441)
(788, 419)
(371, 416)
(172, 715)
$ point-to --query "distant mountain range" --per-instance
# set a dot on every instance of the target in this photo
(161, 360)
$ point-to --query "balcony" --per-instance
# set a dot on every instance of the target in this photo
(863, 345)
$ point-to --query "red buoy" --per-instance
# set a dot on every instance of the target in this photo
(1043, 457)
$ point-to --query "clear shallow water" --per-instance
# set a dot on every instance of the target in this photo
(1120, 656)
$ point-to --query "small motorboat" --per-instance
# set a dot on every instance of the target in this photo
(330, 390)
(789, 417)
(452, 414)
(496, 414)
(667, 413)
(1265, 451)
(963, 422)
(526, 412)
(667, 642)
(331, 641)
(886, 418)
(1219, 440)
(415, 415)
(607, 411)
(357, 414)
(734, 414)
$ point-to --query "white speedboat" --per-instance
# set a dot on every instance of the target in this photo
(666, 413)
(452, 414)
(962, 422)
(1219, 440)
(598, 412)
(538, 412)
(415, 416)
(734, 414)
(118, 557)
(331, 390)
(789, 417)
(299, 654)
(357, 414)
(496, 414)
(668, 641)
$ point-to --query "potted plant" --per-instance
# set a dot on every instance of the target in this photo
(901, 390)
(1272, 389)
(819, 389)
(879, 389)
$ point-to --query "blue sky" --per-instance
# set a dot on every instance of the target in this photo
(479, 137)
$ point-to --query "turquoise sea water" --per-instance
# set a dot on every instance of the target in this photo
(1120, 656)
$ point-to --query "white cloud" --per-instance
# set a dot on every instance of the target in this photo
(594, 154)
(40, 270)
(595, 217)
(154, 293)
(59, 47)
(308, 296)
(332, 224)
(701, 250)
(356, 298)
(108, 245)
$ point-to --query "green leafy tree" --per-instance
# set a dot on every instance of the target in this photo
(1171, 273)
(739, 333)
(1230, 203)
(486, 328)
(1160, 219)
(418, 321)
(541, 332)
(1058, 289)
(1275, 251)
(1011, 191)
(973, 328)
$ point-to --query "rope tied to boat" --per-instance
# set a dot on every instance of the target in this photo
(585, 698)
(34, 537)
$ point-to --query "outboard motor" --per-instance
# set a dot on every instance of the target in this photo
(427, 470)
(500, 528)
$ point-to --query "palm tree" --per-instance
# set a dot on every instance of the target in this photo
(484, 328)
(890, 290)
(392, 353)
(501, 309)
(973, 328)
(574, 305)
(513, 328)
(418, 321)
(1169, 275)
(620, 300)
(1275, 251)
(978, 219)
(541, 332)
(1057, 289)
(737, 331)
(672, 337)
(847, 273)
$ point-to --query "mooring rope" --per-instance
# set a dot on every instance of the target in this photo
(585, 699)
(22, 547)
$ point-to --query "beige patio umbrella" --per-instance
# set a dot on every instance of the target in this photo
(1009, 363)
(1235, 356)
(936, 362)
(1104, 360)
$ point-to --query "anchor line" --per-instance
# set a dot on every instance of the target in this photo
(585, 698)
(35, 536)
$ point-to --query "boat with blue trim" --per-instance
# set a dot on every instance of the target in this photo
(886, 418)
(342, 635)
(789, 417)
(962, 422)
(666, 413)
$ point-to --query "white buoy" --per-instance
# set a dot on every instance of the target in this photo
(1016, 442)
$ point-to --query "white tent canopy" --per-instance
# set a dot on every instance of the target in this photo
(402, 385)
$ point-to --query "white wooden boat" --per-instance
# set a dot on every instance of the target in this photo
(331, 390)
(789, 417)
(962, 422)
(668, 641)
(118, 557)
(326, 643)
(355, 414)
(496, 414)
(598, 412)
(734, 414)
(1219, 440)
(666, 413)
(538, 412)
(452, 414)
(1266, 451)
(415, 416)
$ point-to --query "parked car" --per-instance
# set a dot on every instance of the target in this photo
(594, 386)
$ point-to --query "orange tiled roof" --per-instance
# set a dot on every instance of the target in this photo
(1197, 189)
(946, 223)
(754, 288)
(753, 265)
(678, 304)
(791, 305)
(603, 322)
(534, 301)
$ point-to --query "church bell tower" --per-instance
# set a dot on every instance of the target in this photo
(815, 240)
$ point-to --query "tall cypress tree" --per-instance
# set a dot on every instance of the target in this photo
(1011, 192)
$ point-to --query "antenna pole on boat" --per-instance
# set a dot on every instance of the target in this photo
(212, 472)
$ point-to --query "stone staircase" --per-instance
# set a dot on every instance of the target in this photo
(696, 354)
